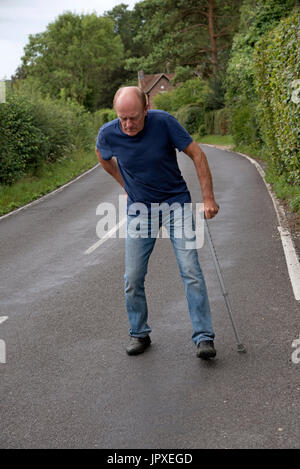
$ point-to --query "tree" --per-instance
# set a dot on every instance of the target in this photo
(126, 25)
(187, 33)
(76, 56)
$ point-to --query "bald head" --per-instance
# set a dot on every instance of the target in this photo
(131, 94)
(131, 106)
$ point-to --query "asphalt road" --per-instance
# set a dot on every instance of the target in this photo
(67, 381)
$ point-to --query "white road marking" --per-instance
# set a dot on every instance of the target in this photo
(106, 237)
(291, 261)
(3, 318)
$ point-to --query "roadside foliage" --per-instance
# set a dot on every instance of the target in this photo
(35, 129)
(277, 84)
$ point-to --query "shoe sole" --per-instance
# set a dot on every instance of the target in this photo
(206, 355)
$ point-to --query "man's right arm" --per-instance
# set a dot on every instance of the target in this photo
(111, 167)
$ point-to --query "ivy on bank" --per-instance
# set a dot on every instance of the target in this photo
(277, 84)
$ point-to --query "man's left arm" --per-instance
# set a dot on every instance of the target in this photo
(193, 150)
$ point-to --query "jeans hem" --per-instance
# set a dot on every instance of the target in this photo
(139, 336)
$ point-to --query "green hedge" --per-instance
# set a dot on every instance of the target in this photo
(191, 92)
(163, 101)
(20, 140)
(257, 18)
(192, 118)
(244, 124)
(35, 129)
(102, 116)
(277, 66)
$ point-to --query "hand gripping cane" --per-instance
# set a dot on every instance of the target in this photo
(240, 346)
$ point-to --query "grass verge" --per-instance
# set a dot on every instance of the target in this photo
(223, 140)
(46, 179)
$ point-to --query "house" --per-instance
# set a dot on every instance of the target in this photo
(154, 84)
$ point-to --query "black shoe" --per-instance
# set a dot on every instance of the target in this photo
(138, 345)
(206, 349)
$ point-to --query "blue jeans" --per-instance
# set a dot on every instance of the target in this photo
(140, 241)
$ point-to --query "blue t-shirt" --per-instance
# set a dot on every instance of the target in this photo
(147, 161)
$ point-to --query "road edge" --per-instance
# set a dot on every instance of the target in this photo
(40, 199)
(292, 261)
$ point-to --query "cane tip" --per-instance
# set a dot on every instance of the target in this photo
(241, 348)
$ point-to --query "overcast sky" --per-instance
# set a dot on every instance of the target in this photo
(19, 18)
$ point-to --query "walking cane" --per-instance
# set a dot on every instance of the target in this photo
(240, 346)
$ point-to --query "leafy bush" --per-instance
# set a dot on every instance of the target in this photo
(102, 116)
(163, 101)
(295, 204)
(56, 127)
(82, 124)
(20, 139)
(244, 125)
(35, 129)
(277, 67)
(192, 91)
(66, 124)
(191, 117)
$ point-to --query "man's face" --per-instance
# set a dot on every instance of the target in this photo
(131, 115)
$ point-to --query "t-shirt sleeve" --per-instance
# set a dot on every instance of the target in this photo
(177, 133)
(103, 146)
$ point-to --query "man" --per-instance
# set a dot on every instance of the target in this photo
(143, 143)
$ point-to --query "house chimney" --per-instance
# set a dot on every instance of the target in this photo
(141, 77)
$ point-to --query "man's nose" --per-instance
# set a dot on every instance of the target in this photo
(129, 123)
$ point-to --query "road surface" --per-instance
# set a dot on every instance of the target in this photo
(67, 381)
